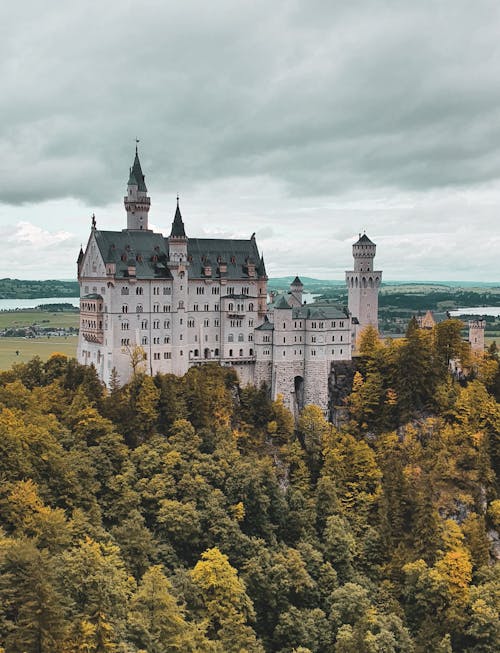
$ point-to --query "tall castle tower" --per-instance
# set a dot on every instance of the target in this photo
(136, 200)
(363, 284)
(476, 334)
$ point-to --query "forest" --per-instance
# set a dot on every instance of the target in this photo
(193, 514)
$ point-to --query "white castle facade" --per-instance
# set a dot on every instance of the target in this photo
(188, 301)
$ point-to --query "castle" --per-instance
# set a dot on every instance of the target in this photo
(187, 301)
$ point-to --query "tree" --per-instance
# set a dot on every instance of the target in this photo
(226, 604)
(155, 621)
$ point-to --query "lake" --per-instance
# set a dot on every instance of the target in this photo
(13, 304)
(477, 310)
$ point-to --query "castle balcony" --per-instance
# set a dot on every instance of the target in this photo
(91, 318)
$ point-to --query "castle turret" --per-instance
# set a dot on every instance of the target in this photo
(178, 265)
(297, 288)
(262, 287)
(136, 201)
(363, 284)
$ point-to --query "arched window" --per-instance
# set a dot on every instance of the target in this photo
(196, 353)
(125, 308)
(241, 352)
(138, 308)
(230, 352)
(216, 352)
(250, 352)
(144, 340)
(241, 337)
(250, 306)
(231, 306)
(230, 338)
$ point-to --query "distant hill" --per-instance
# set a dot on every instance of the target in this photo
(25, 289)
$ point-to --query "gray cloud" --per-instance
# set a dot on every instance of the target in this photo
(384, 115)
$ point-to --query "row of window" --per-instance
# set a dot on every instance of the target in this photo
(241, 337)
(139, 290)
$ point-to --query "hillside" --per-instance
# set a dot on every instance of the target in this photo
(23, 289)
(192, 514)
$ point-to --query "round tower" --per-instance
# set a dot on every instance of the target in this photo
(136, 200)
(363, 285)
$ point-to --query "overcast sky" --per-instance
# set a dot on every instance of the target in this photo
(305, 121)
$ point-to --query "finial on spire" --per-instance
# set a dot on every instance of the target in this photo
(93, 221)
(137, 141)
(177, 199)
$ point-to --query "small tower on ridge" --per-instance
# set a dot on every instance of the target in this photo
(476, 334)
(296, 289)
(136, 200)
(363, 284)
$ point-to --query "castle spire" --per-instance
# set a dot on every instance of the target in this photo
(136, 201)
(178, 230)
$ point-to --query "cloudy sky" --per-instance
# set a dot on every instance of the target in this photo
(306, 121)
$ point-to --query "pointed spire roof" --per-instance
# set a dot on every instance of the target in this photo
(297, 282)
(261, 268)
(364, 240)
(136, 176)
(80, 255)
(178, 225)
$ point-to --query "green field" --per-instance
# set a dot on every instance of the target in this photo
(29, 347)
(57, 319)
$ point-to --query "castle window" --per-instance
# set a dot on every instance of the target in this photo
(156, 356)
(231, 306)
(244, 290)
(195, 307)
(230, 352)
(284, 340)
(250, 306)
(206, 323)
(196, 353)
(156, 324)
(190, 323)
(230, 290)
(124, 308)
(321, 325)
(167, 290)
(144, 324)
(216, 351)
(284, 325)
(200, 290)
(230, 338)
(333, 338)
(144, 340)
(215, 290)
(167, 355)
(156, 290)
(313, 352)
(216, 322)
(156, 308)
(205, 307)
(181, 353)
(341, 338)
(240, 337)
(166, 324)
(138, 308)
(250, 352)
(139, 290)
(166, 308)
(313, 338)
(241, 352)
(216, 307)
(166, 340)
(124, 326)
(250, 337)
(124, 290)
(250, 322)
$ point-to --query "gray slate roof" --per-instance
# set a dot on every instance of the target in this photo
(149, 252)
(235, 253)
(319, 312)
(266, 325)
